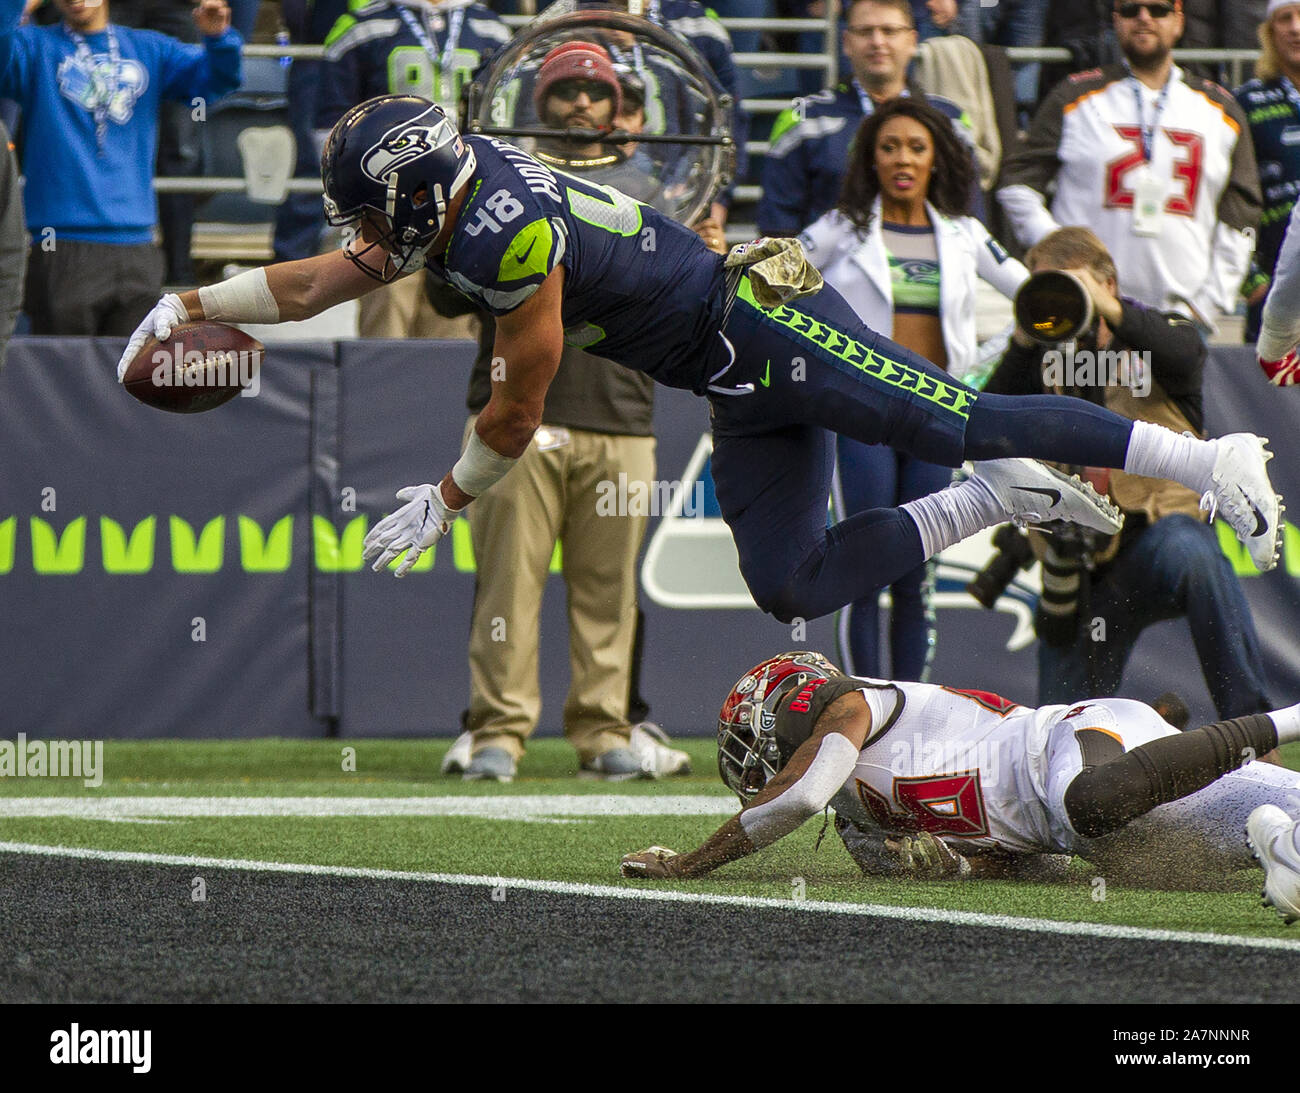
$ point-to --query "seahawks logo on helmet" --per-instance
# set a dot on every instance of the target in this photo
(404, 144)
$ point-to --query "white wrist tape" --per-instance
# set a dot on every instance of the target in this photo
(479, 467)
(829, 770)
(245, 298)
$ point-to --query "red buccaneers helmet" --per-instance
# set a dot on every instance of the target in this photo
(748, 755)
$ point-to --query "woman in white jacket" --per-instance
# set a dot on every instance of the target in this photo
(902, 251)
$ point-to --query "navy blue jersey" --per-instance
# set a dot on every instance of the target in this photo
(1275, 128)
(639, 288)
(372, 50)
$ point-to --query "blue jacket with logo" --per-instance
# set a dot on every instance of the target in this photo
(74, 187)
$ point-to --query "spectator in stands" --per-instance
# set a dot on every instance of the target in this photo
(179, 153)
(1101, 592)
(903, 251)
(1271, 104)
(597, 432)
(90, 93)
(13, 242)
(243, 17)
(1087, 30)
(300, 220)
(935, 18)
(700, 28)
(405, 47)
(1156, 161)
(808, 155)
(578, 89)
(1009, 23)
(1220, 24)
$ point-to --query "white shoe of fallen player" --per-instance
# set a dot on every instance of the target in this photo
(1273, 837)
(1033, 493)
(457, 758)
(1243, 495)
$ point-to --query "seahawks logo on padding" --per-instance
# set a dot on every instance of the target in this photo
(405, 143)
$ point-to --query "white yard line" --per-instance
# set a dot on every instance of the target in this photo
(536, 807)
(657, 895)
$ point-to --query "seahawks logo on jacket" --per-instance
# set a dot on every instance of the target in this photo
(100, 85)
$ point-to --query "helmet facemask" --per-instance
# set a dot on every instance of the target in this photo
(747, 758)
(376, 247)
(390, 168)
(748, 753)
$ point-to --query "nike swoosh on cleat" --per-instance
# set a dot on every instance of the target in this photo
(1261, 525)
(1052, 495)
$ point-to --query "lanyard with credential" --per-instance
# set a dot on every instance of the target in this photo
(1148, 135)
(104, 92)
(455, 21)
(868, 103)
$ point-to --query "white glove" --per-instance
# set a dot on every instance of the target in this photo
(167, 314)
(416, 526)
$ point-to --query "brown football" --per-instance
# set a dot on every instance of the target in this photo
(200, 366)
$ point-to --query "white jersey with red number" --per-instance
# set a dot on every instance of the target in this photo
(963, 765)
(985, 774)
(1087, 142)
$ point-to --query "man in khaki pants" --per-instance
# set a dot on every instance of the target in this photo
(585, 482)
(566, 489)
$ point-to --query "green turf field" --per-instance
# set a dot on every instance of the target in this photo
(547, 825)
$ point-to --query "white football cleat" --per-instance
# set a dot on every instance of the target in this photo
(1245, 497)
(1033, 493)
(651, 745)
(1271, 835)
(458, 755)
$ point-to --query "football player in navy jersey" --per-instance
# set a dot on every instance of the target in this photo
(557, 258)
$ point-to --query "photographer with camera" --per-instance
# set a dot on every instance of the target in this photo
(1075, 335)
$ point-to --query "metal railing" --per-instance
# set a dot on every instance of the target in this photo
(827, 60)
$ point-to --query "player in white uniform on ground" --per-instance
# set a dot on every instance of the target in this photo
(935, 781)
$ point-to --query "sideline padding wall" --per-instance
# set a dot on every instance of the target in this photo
(166, 575)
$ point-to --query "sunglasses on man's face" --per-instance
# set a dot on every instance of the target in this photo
(569, 90)
(1156, 11)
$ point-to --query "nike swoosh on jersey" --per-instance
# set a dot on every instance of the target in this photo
(521, 259)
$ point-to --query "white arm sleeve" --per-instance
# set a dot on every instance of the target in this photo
(1229, 263)
(994, 265)
(828, 771)
(1027, 210)
(1280, 326)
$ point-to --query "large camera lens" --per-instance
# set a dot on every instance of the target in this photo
(1053, 306)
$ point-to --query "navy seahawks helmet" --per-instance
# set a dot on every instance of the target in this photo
(390, 165)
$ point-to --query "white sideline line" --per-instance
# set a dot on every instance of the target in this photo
(659, 895)
(525, 807)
